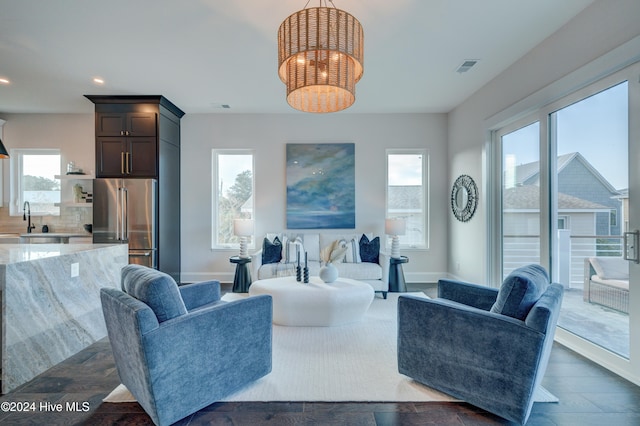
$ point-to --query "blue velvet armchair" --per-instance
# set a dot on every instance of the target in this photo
(179, 349)
(485, 346)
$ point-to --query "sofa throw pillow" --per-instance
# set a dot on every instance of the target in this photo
(353, 251)
(271, 251)
(311, 244)
(156, 289)
(520, 291)
(369, 249)
(292, 250)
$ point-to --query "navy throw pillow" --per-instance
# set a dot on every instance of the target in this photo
(369, 250)
(520, 291)
(271, 251)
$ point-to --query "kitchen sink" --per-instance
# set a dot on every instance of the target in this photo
(9, 238)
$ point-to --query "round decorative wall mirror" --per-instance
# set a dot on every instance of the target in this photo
(464, 198)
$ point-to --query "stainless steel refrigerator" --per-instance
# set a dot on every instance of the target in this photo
(125, 211)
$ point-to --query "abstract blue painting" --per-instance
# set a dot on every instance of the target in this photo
(321, 189)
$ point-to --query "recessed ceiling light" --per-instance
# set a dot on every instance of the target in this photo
(98, 80)
(4, 80)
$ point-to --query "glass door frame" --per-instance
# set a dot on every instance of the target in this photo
(628, 368)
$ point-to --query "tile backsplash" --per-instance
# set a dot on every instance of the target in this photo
(66, 222)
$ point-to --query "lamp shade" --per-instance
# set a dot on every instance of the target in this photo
(3, 151)
(396, 226)
(243, 227)
(320, 59)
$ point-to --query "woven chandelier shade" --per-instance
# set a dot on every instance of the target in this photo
(320, 58)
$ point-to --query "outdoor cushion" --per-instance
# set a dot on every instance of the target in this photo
(520, 291)
(610, 268)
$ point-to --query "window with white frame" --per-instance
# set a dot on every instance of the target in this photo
(407, 194)
(34, 181)
(233, 183)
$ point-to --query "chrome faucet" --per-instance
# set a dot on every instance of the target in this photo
(26, 208)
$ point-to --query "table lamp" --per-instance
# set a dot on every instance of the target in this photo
(395, 227)
(243, 228)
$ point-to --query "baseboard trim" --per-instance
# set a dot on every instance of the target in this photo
(227, 277)
(195, 277)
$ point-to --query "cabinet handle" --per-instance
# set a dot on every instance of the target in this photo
(122, 163)
(121, 132)
(128, 163)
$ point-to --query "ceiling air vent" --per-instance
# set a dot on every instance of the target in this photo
(466, 65)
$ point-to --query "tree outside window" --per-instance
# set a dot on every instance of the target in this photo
(34, 180)
(407, 193)
(233, 196)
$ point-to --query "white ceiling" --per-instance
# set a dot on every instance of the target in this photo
(204, 53)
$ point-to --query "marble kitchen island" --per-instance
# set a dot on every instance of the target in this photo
(50, 295)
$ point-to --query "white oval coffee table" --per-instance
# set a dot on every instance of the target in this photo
(316, 303)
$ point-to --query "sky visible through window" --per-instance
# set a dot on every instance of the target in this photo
(405, 169)
(46, 166)
(597, 127)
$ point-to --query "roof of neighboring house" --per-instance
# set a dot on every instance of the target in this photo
(527, 197)
(405, 197)
(529, 173)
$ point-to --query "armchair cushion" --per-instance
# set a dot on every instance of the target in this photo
(156, 289)
(520, 291)
(197, 295)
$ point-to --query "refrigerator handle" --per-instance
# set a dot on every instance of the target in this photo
(118, 210)
(125, 212)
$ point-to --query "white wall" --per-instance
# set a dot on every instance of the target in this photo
(73, 134)
(268, 134)
(599, 29)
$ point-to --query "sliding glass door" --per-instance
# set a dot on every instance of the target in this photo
(520, 197)
(567, 179)
(590, 191)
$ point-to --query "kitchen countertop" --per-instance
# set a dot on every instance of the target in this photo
(54, 234)
(16, 253)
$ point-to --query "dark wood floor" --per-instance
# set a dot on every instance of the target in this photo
(589, 395)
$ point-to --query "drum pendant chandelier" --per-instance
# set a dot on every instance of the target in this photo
(320, 58)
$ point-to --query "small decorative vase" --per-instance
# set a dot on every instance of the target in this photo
(329, 273)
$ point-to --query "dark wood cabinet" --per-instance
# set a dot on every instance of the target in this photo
(126, 157)
(126, 124)
(139, 137)
(126, 143)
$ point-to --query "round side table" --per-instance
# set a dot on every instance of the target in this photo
(242, 279)
(396, 274)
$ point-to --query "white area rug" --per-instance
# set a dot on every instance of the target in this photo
(355, 362)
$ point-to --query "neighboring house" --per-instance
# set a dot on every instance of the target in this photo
(587, 205)
(406, 201)
(578, 178)
(521, 208)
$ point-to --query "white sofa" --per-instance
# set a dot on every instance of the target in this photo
(375, 274)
